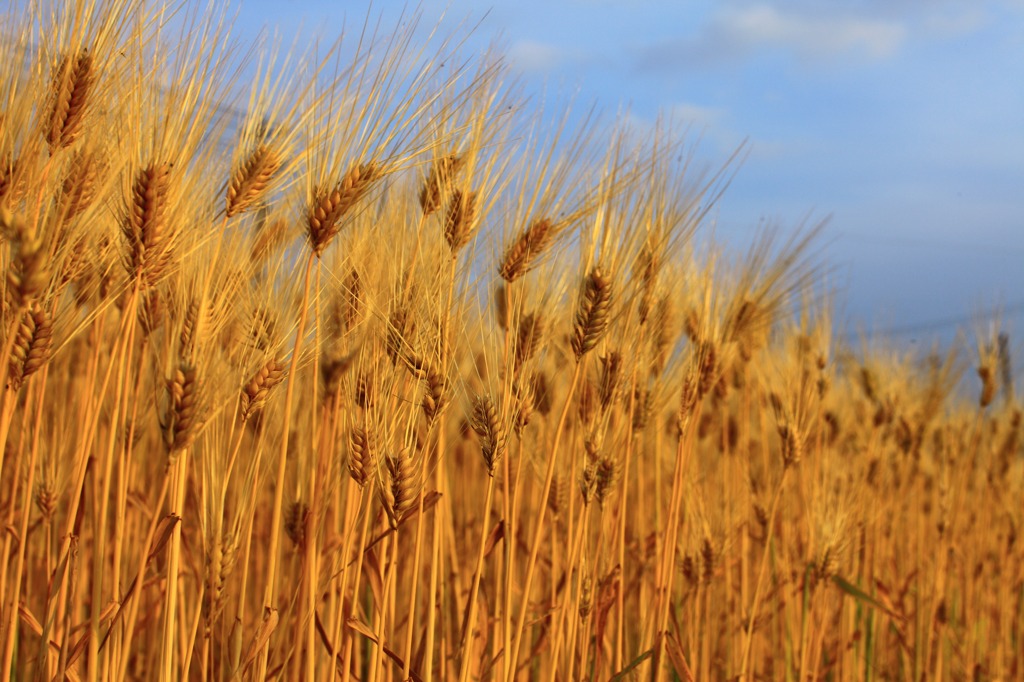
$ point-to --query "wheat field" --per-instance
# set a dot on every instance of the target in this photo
(353, 363)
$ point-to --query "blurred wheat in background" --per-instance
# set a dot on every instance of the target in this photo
(386, 377)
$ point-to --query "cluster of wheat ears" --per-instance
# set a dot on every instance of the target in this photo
(349, 364)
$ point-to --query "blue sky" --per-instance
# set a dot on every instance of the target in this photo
(903, 120)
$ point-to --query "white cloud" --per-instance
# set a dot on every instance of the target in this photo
(697, 115)
(809, 35)
(740, 30)
(959, 22)
(529, 55)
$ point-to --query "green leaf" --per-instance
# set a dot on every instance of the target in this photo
(861, 596)
(621, 675)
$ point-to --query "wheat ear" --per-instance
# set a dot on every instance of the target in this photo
(329, 206)
(251, 179)
(523, 253)
(592, 312)
(69, 95)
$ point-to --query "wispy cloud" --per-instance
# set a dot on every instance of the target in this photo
(764, 25)
(740, 31)
(533, 56)
(697, 115)
(956, 22)
(710, 128)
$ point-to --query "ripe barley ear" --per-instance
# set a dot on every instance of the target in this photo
(351, 300)
(145, 227)
(12, 184)
(460, 219)
(399, 486)
(528, 337)
(251, 179)
(258, 388)
(328, 206)
(69, 96)
(592, 312)
(84, 175)
(522, 255)
(436, 184)
(362, 461)
(151, 312)
(31, 348)
(487, 424)
(295, 523)
(28, 274)
(219, 565)
(434, 392)
(400, 328)
(185, 414)
(610, 378)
